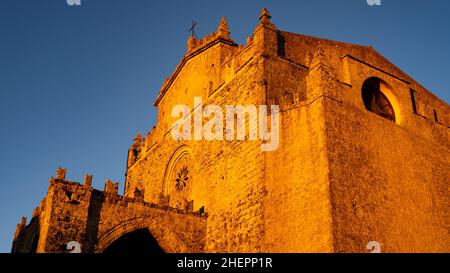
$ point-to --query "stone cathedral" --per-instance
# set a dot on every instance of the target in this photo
(364, 155)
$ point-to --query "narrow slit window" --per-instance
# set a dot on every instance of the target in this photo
(211, 88)
(413, 101)
(281, 45)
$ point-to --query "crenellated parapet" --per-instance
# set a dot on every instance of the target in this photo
(196, 46)
(222, 33)
(75, 212)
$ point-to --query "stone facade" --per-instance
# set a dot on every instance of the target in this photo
(95, 219)
(343, 175)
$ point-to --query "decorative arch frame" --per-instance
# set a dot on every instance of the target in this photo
(388, 91)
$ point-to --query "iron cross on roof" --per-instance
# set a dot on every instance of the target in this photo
(192, 29)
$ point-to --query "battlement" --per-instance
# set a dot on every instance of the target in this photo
(222, 33)
(75, 210)
(74, 192)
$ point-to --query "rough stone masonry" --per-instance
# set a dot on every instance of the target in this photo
(364, 155)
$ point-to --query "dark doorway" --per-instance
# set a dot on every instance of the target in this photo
(137, 242)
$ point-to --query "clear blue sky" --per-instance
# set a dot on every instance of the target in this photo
(77, 83)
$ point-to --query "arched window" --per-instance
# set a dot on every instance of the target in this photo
(178, 184)
(374, 99)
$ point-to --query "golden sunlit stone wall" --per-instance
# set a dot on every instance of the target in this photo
(388, 181)
(73, 212)
(225, 177)
(341, 177)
